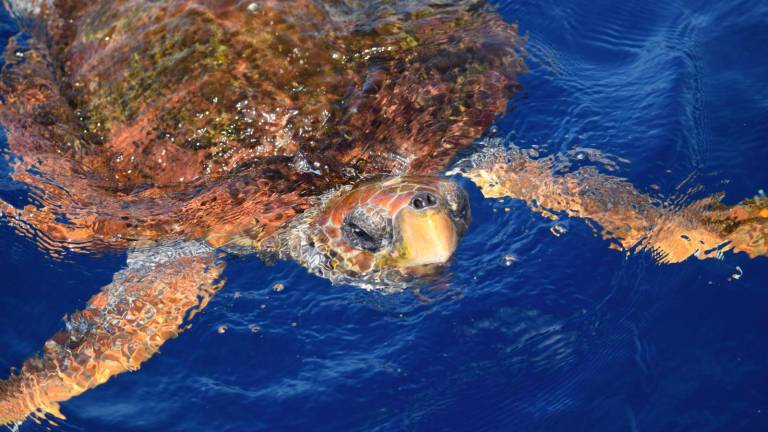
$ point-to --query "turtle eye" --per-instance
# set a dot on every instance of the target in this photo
(367, 228)
(361, 234)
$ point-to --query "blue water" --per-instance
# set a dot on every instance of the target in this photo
(567, 336)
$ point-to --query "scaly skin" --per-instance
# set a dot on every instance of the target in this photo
(120, 328)
(631, 219)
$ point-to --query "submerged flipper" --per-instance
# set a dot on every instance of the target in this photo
(633, 220)
(124, 325)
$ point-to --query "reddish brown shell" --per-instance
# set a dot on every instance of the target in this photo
(141, 119)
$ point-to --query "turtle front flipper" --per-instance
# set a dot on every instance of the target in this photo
(147, 303)
(632, 220)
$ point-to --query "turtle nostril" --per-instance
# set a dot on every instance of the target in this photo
(423, 200)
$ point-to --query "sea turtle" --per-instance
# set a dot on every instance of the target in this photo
(319, 131)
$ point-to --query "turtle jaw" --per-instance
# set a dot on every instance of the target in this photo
(425, 238)
(427, 230)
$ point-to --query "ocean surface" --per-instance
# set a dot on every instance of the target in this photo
(526, 330)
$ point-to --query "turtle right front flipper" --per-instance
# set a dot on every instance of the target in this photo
(121, 327)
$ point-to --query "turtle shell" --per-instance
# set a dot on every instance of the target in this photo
(139, 119)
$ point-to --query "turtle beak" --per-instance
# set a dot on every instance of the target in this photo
(426, 235)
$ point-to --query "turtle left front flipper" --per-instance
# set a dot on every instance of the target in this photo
(631, 219)
(147, 303)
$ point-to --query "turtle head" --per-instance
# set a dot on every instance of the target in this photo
(394, 226)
